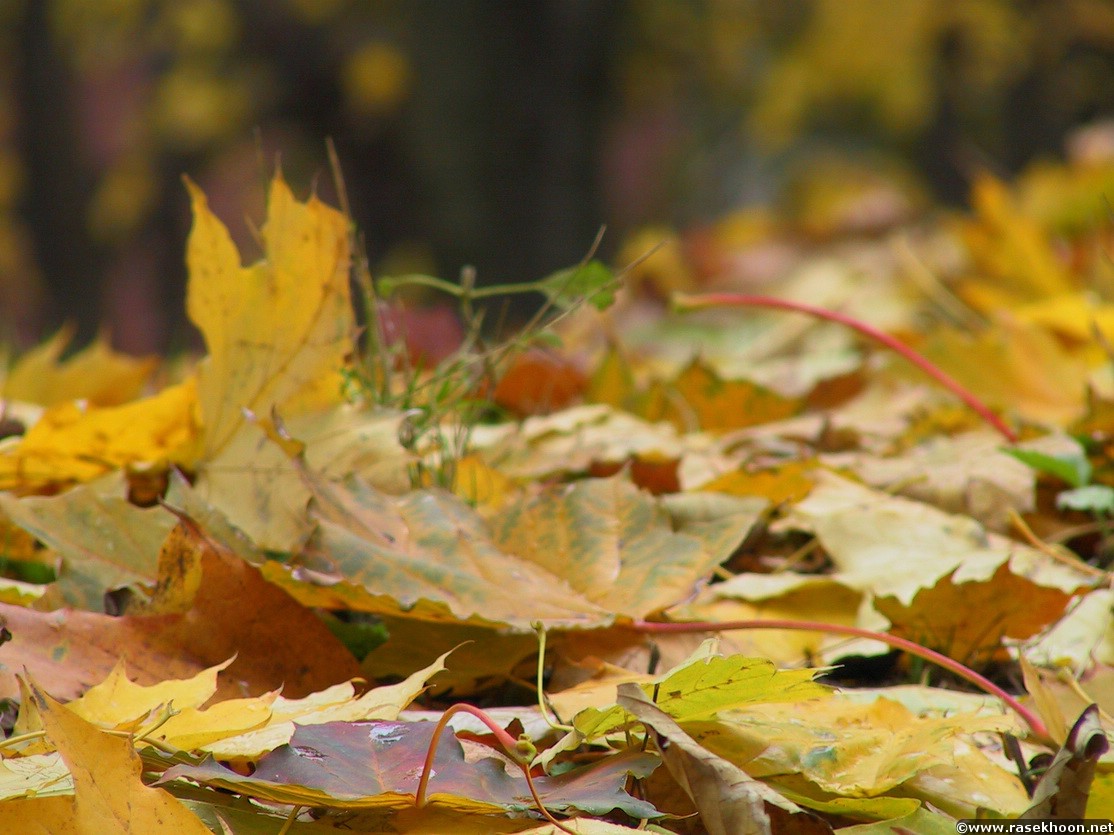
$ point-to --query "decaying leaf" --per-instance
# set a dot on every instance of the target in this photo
(104, 542)
(845, 491)
(1063, 790)
(968, 621)
(730, 801)
(429, 556)
(209, 606)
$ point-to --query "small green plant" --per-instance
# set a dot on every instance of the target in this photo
(1075, 470)
(443, 402)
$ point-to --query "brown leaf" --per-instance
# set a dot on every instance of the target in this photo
(539, 382)
(729, 800)
(209, 606)
(968, 621)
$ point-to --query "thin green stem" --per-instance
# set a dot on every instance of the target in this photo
(539, 628)
(19, 739)
(389, 284)
(687, 303)
(986, 685)
(290, 820)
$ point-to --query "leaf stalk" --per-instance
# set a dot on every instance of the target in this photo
(686, 303)
(511, 746)
(1036, 725)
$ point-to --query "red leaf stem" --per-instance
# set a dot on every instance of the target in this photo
(509, 743)
(986, 685)
(686, 303)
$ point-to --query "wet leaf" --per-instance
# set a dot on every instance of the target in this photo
(351, 765)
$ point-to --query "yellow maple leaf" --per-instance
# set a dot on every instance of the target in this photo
(96, 373)
(73, 442)
(118, 700)
(1016, 366)
(1010, 248)
(277, 331)
(786, 482)
(1071, 315)
(109, 794)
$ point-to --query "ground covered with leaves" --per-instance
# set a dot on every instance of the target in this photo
(672, 560)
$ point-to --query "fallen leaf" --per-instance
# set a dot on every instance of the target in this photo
(968, 621)
(865, 750)
(1062, 792)
(118, 701)
(617, 546)
(74, 442)
(572, 441)
(786, 482)
(209, 606)
(1015, 367)
(109, 796)
(699, 399)
(278, 331)
(867, 533)
(104, 541)
(338, 703)
(706, 684)
(729, 801)
(429, 556)
(1009, 246)
(258, 488)
(352, 765)
(785, 595)
(228, 609)
(96, 373)
(537, 383)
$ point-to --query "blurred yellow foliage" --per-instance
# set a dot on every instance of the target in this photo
(376, 79)
(1011, 248)
(664, 272)
(96, 373)
(195, 106)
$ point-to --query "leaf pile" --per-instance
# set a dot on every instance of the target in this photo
(209, 589)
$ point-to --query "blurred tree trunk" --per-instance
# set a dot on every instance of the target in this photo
(504, 130)
(55, 200)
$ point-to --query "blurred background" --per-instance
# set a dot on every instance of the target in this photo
(504, 134)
